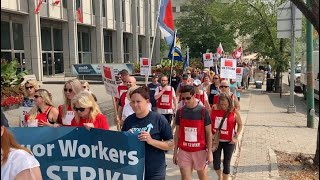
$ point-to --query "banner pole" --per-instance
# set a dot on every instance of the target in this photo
(172, 52)
(153, 41)
(116, 112)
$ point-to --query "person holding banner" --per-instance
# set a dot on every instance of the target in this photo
(87, 112)
(193, 137)
(229, 136)
(71, 88)
(17, 162)
(153, 129)
(166, 99)
(43, 113)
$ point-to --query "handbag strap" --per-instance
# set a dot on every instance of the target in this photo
(223, 119)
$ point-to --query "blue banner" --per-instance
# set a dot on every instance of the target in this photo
(95, 69)
(76, 153)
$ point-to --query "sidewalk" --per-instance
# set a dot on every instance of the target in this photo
(268, 127)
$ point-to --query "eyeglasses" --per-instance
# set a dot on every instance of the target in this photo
(215, 78)
(223, 86)
(67, 90)
(29, 87)
(186, 98)
(164, 80)
(36, 96)
(79, 109)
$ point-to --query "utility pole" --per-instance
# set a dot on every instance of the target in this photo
(292, 107)
(310, 95)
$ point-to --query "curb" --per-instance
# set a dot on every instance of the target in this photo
(274, 171)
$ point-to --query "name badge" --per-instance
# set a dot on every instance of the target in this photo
(218, 121)
(68, 118)
(165, 98)
(190, 134)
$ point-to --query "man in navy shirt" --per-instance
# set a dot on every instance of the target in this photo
(152, 89)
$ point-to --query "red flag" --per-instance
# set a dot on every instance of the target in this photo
(228, 63)
(145, 62)
(56, 2)
(79, 15)
(220, 49)
(38, 7)
(237, 53)
(107, 72)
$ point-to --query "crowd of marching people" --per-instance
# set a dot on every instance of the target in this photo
(195, 114)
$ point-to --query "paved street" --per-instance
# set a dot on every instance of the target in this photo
(267, 127)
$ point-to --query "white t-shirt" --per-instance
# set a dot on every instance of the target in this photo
(18, 161)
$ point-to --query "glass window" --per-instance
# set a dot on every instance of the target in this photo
(80, 58)
(103, 8)
(93, 8)
(174, 9)
(64, 3)
(17, 36)
(46, 39)
(86, 58)
(123, 10)
(5, 35)
(86, 42)
(78, 2)
(107, 43)
(57, 39)
(6, 56)
(79, 42)
(108, 57)
(138, 15)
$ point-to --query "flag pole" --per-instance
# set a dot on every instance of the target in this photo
(153, 40)
(172, 52)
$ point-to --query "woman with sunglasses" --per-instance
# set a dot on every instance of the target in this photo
(153, 129)
(229, 137)
(71, 88)
(213, 89)
(30, 88)
(43, 113)
(87, 112)
(225, 88)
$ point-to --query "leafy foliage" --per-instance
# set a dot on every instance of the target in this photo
(9, 76)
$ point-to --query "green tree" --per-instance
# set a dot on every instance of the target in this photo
(204, 26)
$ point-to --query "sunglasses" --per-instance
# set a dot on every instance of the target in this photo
(186, 98)
(215, 78)
(223, 86)
(67, 90)
(29, 87)
(36, 96)
(79, 109)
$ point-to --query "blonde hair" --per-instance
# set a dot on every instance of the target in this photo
(47, 98)
(33, 82)
(86, 100)
(130, 90)
(76, 88)
(85, 83)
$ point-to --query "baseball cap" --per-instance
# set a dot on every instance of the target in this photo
(185, 76)
(196, 82)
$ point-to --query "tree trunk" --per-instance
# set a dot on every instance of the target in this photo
(278, 82)
(316, 157)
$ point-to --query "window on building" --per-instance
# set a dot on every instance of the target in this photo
(57, 41)
(123, 10)
(126, 49)
(108, 47)
(174, 9)
(64, 3)
(84, 45)
(138, 16)
(93, 7)
(103, 8)
(17, 36)
(140, 44)
(5, 35)
(46, 38)
(78, 3)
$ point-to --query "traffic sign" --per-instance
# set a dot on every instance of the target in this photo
(284, 21)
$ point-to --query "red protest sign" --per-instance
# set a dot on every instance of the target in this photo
(107, 72)
(208, 56)
(228, 63)
(145, 62)
(238, 70)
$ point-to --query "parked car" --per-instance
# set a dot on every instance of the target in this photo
(315, 75)
(297, 78)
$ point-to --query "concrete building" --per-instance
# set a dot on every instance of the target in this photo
(48, 43)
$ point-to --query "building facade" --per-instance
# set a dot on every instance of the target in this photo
(50, 42)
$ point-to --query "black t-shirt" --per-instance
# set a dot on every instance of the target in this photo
(175, 82)
(213, 92)
(152, 89)
(193, 114)
(155, 164)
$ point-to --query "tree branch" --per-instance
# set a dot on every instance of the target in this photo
(312, 14)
